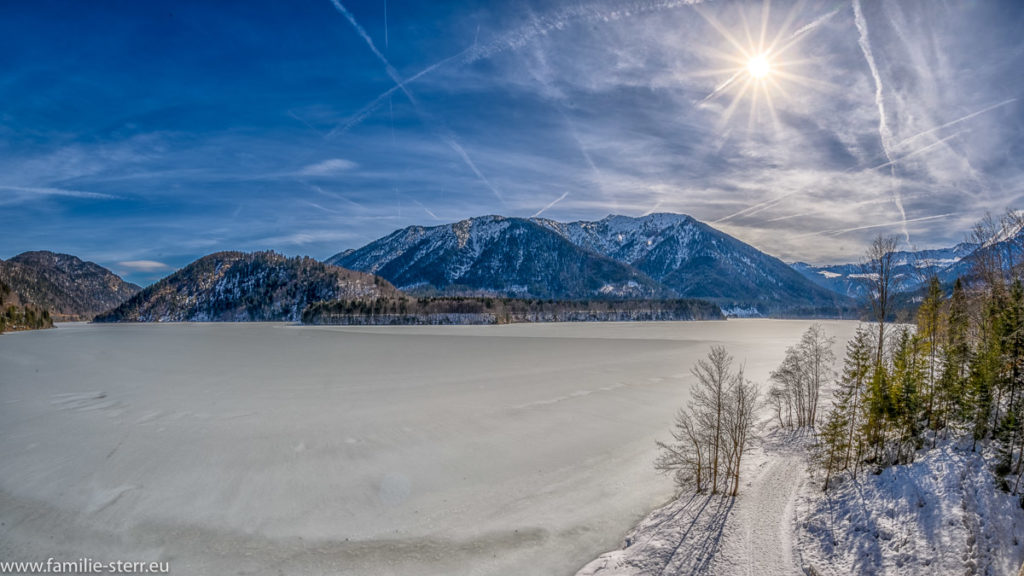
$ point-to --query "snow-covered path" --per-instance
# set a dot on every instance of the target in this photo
(717, 535)
(758, 538)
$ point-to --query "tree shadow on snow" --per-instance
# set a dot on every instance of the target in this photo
(686, 539)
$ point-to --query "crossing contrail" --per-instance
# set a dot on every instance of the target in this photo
(447, 135)
(884, 133)
(365, 111)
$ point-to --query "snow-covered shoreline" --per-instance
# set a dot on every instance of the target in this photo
(943, 514)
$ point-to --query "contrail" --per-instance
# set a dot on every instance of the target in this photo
(552, 203)
(425, 209)
(365, 111)
(653, 208)
(902, 222)
(561, 19)
(760, 206)
(333, 195)
(448, 136)
(582, 148)
(45, 191)
(958, 120)
(454, 145)
(308, 125)
(919, 151)
(510, 41)
(800, 32)
(721, 87)
(373, 47)
(884, 133)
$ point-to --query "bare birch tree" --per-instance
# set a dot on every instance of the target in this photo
(713, 431)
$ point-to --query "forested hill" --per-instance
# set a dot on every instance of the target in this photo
(237, 286)
(14, 316)
(63, 285)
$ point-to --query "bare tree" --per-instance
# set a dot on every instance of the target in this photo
(987, 260)
(807, 367)
(819, 364)
(714, 378)
(778, 399)
(882, 283)
(686, 459)
(740, 419)
(712, 433)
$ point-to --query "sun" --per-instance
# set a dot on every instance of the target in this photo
(759, 67)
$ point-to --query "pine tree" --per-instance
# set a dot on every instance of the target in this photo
(906, 383)
(956, 360)
(929, 319)
(985, 372)
(857, 370)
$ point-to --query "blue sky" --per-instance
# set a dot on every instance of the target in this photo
(142, 135)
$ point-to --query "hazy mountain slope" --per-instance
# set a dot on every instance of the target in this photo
(64, 285)
(236, 286)
(496, 255)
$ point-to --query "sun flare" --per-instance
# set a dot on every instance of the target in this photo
(760, 63)
(759, 67)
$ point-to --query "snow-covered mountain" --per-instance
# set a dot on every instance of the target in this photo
(695, 260)
(912, 269)
(496, 255)
(619, 256)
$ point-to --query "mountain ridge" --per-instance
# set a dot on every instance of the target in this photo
(663, 253)
(495, 255)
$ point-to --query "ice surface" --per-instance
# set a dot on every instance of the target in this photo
(268, 448)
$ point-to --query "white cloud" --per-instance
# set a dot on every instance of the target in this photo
(144, 265)
(328, 167)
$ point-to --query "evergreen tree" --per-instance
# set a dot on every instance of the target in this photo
(985, 372)
(929, 318)
(906, 405)
(956, 360)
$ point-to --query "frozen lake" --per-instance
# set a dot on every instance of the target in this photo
(269, 448)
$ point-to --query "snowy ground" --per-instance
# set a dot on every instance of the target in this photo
(266, 449)
(941, 515)
(751, 534)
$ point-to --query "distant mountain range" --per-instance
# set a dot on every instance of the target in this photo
(236, 286)
(63, 285)
(659, 255)
(915, 267)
